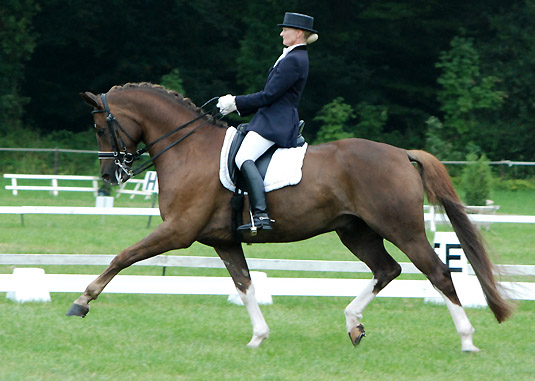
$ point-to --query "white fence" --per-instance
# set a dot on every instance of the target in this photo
(88, 184)
(79, 210)
(271, 286)
(430, 217)
(223, 285)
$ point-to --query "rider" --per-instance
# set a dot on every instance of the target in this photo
(276, 120)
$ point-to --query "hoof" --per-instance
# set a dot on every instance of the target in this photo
(470, 349)
(356, 334)
(77, 310)
(257, 340)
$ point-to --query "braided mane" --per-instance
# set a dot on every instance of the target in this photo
(169, 93)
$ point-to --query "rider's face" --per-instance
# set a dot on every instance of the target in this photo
(291, 36)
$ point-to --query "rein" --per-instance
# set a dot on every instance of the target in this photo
(123, 158)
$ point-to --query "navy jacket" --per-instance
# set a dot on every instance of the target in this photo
(276, 116)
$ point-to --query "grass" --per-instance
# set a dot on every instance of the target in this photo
(165, 337)
(173, 337)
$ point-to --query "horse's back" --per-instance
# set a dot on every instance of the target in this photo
(368, 179)
(362, 160)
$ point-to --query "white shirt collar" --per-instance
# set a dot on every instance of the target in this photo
(285, 52)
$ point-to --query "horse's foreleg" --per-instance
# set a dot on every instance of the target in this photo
(155, 243)
(234, 260)
(368, 247)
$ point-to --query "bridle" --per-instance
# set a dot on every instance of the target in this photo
(124, 159)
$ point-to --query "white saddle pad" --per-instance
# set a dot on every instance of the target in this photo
(284, 168)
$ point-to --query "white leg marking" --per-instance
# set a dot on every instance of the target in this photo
(354, 310)
(462, 324)
(260, 327)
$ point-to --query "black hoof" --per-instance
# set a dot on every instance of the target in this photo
(77, 310)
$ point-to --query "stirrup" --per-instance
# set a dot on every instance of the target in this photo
(259, 222)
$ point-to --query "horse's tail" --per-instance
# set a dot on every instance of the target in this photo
(440, 191)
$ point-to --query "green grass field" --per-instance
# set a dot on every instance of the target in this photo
(173, 337)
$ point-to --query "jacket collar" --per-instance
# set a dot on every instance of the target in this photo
(288, 50)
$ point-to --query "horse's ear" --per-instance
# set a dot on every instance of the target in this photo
(90, 98)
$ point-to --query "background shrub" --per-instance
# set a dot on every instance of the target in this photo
(477, 180)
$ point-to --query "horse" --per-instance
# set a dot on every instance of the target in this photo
(367, 192)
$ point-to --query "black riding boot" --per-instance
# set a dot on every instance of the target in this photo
(257, 198)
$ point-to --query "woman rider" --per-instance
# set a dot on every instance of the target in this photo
(276, 120)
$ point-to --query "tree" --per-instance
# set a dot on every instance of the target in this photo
(17, 41)
(371, 121)
(334, 117)
(173, 81)
(510, 51)
(477, 180)
(463, 92)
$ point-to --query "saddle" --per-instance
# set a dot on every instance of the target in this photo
(262, 162)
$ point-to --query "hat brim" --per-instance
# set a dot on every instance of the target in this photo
(297, 27)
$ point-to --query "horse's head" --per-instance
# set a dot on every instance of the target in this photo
(118, 135)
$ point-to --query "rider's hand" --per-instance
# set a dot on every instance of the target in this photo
(226, 104)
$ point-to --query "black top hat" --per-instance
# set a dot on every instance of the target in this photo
(299, 21)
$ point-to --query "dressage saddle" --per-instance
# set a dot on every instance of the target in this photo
(262, 162)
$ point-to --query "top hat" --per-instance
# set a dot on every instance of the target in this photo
(298, 21)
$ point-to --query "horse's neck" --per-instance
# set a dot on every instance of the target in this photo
(198, 149)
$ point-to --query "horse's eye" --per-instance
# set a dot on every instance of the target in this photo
(100, 131)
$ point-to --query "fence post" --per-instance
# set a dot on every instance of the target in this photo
(29, 286)
(55, 192)
(56, 160)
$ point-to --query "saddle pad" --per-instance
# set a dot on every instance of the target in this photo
(284, 168)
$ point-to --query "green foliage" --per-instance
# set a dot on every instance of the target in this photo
(17, 42)
(510, 51)
(260, 45)
(515, 185)
(371, 121)
(334, 118)
(463, 92)
(477, 180)
(369, 53)
(173, 81)
(434, 142)
(50, 162)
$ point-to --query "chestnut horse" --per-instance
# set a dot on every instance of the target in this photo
(364, 191)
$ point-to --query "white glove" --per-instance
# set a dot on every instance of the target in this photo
(226, 104)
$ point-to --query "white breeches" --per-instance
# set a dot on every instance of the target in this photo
(252, 147)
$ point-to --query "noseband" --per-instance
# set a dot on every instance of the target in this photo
(124, 159)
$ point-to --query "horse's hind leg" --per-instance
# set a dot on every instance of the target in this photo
(425, 259)
(367, 246)
(234, 259)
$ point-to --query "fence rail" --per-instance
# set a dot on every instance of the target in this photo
(508, 163)
(55, 188)
(224, 286)
(216, 263)
(430, 217)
